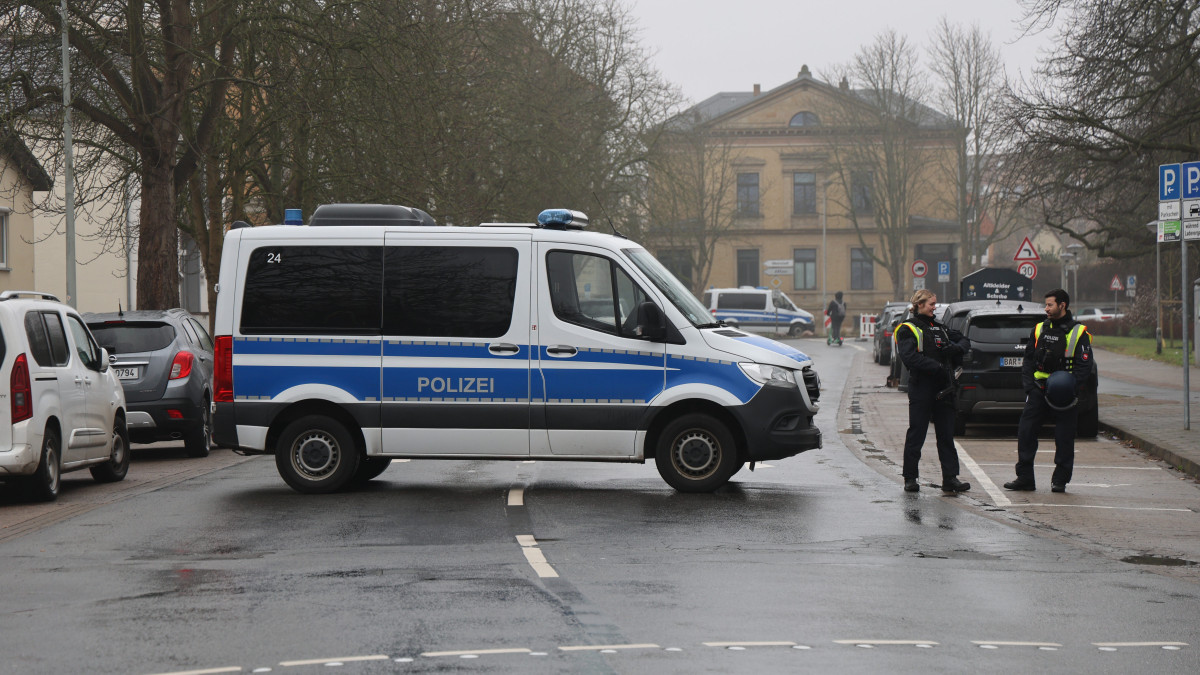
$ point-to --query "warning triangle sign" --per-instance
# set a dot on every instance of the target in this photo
(1026, 252)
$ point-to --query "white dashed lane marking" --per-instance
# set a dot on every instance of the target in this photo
(750, 644)
(471, 652)
(339, 659)
(886, 642)
(516, 497)
(598, 648)
(535, 557)
(1005, 643)
(205, 671)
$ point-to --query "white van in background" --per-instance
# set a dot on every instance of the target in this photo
(371, 334)
(750, 306)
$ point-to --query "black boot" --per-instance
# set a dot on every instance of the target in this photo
(953, 484)
(910, 485)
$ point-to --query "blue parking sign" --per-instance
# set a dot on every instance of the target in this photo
(1190, 177)
(943, 267)
(1168, 182)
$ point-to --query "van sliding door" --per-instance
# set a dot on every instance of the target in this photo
(456, 345)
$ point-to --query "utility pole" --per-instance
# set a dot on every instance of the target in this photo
(69, 185)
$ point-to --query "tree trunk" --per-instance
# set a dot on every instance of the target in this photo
(158, 241)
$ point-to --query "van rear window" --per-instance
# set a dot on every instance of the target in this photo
(296, 290)
(742, 301)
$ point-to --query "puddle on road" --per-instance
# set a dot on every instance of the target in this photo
(1159, 560)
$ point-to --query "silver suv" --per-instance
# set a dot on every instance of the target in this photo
(164, 360)
(64, 408)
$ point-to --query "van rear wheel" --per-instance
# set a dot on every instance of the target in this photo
(316, 455)
(696, 453)
(43, 484)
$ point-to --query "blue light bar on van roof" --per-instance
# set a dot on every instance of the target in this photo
(562, 219)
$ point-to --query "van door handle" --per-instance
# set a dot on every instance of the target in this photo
(504, 348)
(562, 350)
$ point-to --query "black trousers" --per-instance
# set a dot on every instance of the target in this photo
(922, 408)
(1065, 421)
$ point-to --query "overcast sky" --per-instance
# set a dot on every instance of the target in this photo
(710, 46)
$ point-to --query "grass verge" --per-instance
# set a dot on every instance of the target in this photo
(1142, 348)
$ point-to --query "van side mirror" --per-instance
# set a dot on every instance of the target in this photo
(104, 359)
(651, 322)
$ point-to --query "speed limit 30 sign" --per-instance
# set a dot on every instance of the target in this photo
(1028, 269)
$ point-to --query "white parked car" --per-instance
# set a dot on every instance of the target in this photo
(65, 409)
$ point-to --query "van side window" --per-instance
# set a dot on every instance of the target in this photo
(755, 300)
(449, 291)
(47, 339)
(89, 353)
(581, 291)
(313, 289)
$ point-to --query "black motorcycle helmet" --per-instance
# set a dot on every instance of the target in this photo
(1060, 390)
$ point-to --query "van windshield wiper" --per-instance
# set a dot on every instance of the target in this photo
(715, 324)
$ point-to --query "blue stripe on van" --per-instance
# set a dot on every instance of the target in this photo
(269, 381)
(307, 346)
(724, 375)
(434, 382)
(585, 385)
(775, 346)
(449, 349)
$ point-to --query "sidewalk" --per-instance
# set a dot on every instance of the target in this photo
(1153, 422)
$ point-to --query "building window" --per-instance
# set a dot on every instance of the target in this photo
(861, 190)
(862, 270)
(747, 267)
(747, 194)
(804, 193)
(804, 274)
(678, 261)
(3, 239)
(805, 118)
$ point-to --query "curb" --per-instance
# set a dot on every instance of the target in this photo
(1184, 464)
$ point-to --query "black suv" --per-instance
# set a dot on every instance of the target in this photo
(164, 360)
(990, 383)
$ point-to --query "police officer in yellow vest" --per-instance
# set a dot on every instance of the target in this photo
(929, 349)
(1058, 361)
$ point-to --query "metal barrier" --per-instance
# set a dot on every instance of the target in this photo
(866, 326)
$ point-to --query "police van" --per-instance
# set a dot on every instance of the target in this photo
(371, 334)
(750, 306)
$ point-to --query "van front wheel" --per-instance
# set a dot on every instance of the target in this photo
(696, 453)
(316, 455)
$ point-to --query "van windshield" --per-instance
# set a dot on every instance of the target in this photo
(666, 282)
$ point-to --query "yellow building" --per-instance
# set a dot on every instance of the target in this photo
(786, 175)
(20, 176)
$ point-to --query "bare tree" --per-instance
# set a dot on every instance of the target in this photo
(969, 77)
(135, 66)
(692, 202)
(885, 148)
(1120, 96)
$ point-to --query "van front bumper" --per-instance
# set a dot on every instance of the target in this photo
(777, 424)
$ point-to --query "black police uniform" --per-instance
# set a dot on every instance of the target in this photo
(1046, 354)
(929, 374)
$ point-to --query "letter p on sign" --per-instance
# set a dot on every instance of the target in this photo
(1168, 182)
(1191, 180)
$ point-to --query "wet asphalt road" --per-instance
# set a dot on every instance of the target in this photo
(435, 567)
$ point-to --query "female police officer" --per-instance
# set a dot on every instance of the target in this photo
(928, 349)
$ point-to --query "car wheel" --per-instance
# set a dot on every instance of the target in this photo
(198, 441)
(118, 460)
(369, 468)
(316, 455)
(43, 484)
(696, 453)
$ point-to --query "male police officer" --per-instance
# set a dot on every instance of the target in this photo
(1057, 345)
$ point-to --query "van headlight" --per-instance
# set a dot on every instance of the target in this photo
(769, 375)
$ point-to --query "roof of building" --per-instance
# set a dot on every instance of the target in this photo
(13, 148)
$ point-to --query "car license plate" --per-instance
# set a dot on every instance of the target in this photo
(127, 373)
(1011, 361)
